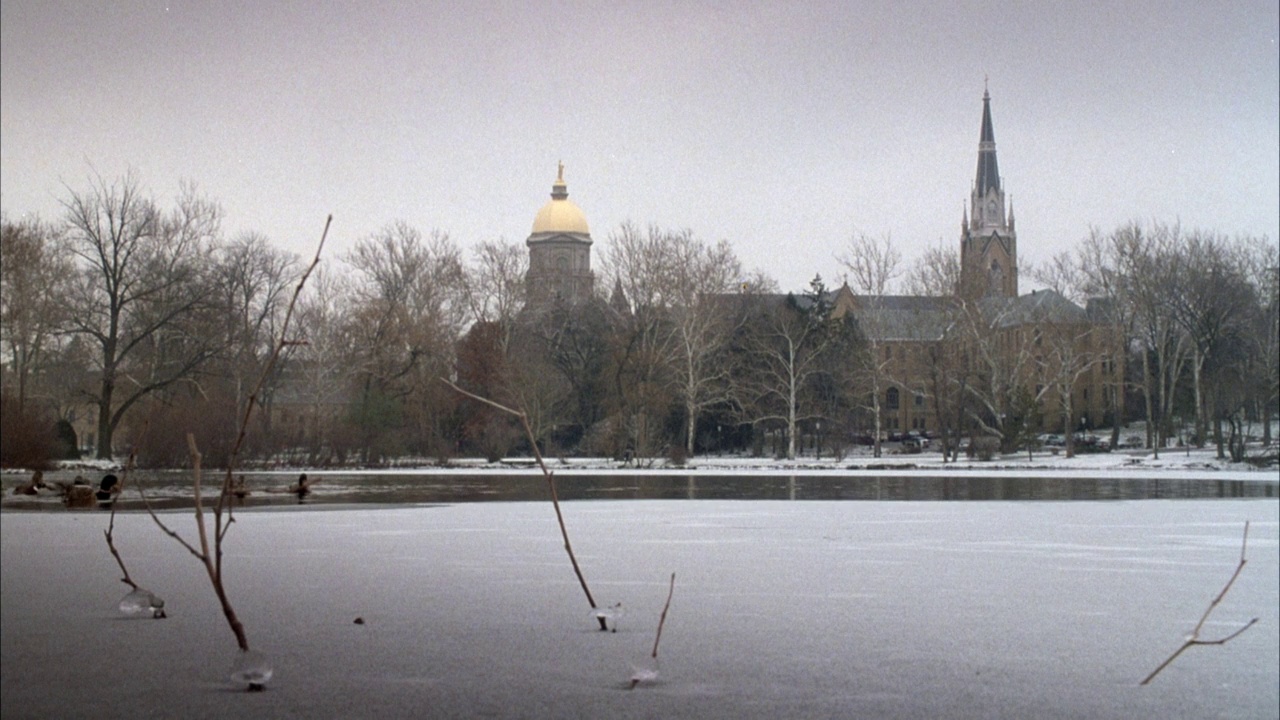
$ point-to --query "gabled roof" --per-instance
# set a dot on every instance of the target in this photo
(903, 317)
(1038, 306)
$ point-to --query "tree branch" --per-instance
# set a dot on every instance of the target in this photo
(662, 619)
(1194, 638)
(551, 485)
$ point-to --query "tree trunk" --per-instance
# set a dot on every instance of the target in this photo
(1265, 411)
(878, 423)
(104, 417)
(1202, 427)
(1153, 434)
(1069, 422)
(691, 426)
(1217, 435)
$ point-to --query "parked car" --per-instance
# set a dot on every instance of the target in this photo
(919, 438)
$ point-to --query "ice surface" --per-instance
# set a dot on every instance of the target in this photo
(906, 610)
(251, 668)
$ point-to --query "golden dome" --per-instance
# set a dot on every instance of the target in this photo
(560, 215)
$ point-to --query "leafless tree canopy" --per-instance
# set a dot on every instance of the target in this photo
(132, 310)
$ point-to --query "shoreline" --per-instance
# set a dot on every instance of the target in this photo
(1136, 464)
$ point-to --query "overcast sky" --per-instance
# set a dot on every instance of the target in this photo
(781, 127)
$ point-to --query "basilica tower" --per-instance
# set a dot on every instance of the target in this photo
(559, 251)
(988, 242)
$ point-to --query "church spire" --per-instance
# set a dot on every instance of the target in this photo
(988, 170)
(989, 250)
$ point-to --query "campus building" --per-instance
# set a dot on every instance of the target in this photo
(985, 351)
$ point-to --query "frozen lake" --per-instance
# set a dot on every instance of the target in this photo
(817, 609)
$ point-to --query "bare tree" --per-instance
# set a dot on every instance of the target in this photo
(1070, 346)
(790, 343)
(871, 265)
(993, 373)
(320, 370)
(703, 326)
(640, 266)
(565, 351)
(1209, 293)
(1149, 270)
(33, 285)
(675, 326)
(141, 277)
(252, 281)
(408, 312)
(936, 274)
(1262, 268)
(1101, 263)
(496, 287)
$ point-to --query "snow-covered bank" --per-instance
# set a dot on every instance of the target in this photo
(1173, 462)
(1179, 463)
(817, 609)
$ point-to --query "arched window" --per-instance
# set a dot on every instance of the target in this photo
(891, 398)
(996, 278)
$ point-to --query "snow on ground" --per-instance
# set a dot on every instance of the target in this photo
(1172, 462)
(781, 609)
(1182, 463)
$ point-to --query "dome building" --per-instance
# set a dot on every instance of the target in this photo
(559, 251)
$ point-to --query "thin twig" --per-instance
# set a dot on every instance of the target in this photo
(551, 485)
(197, 471)
(116, 554)
(1194, 638)
(663, 618)
(646, 674)
(262, 381)
(146, 503)
(111, 523)
(213, 561)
